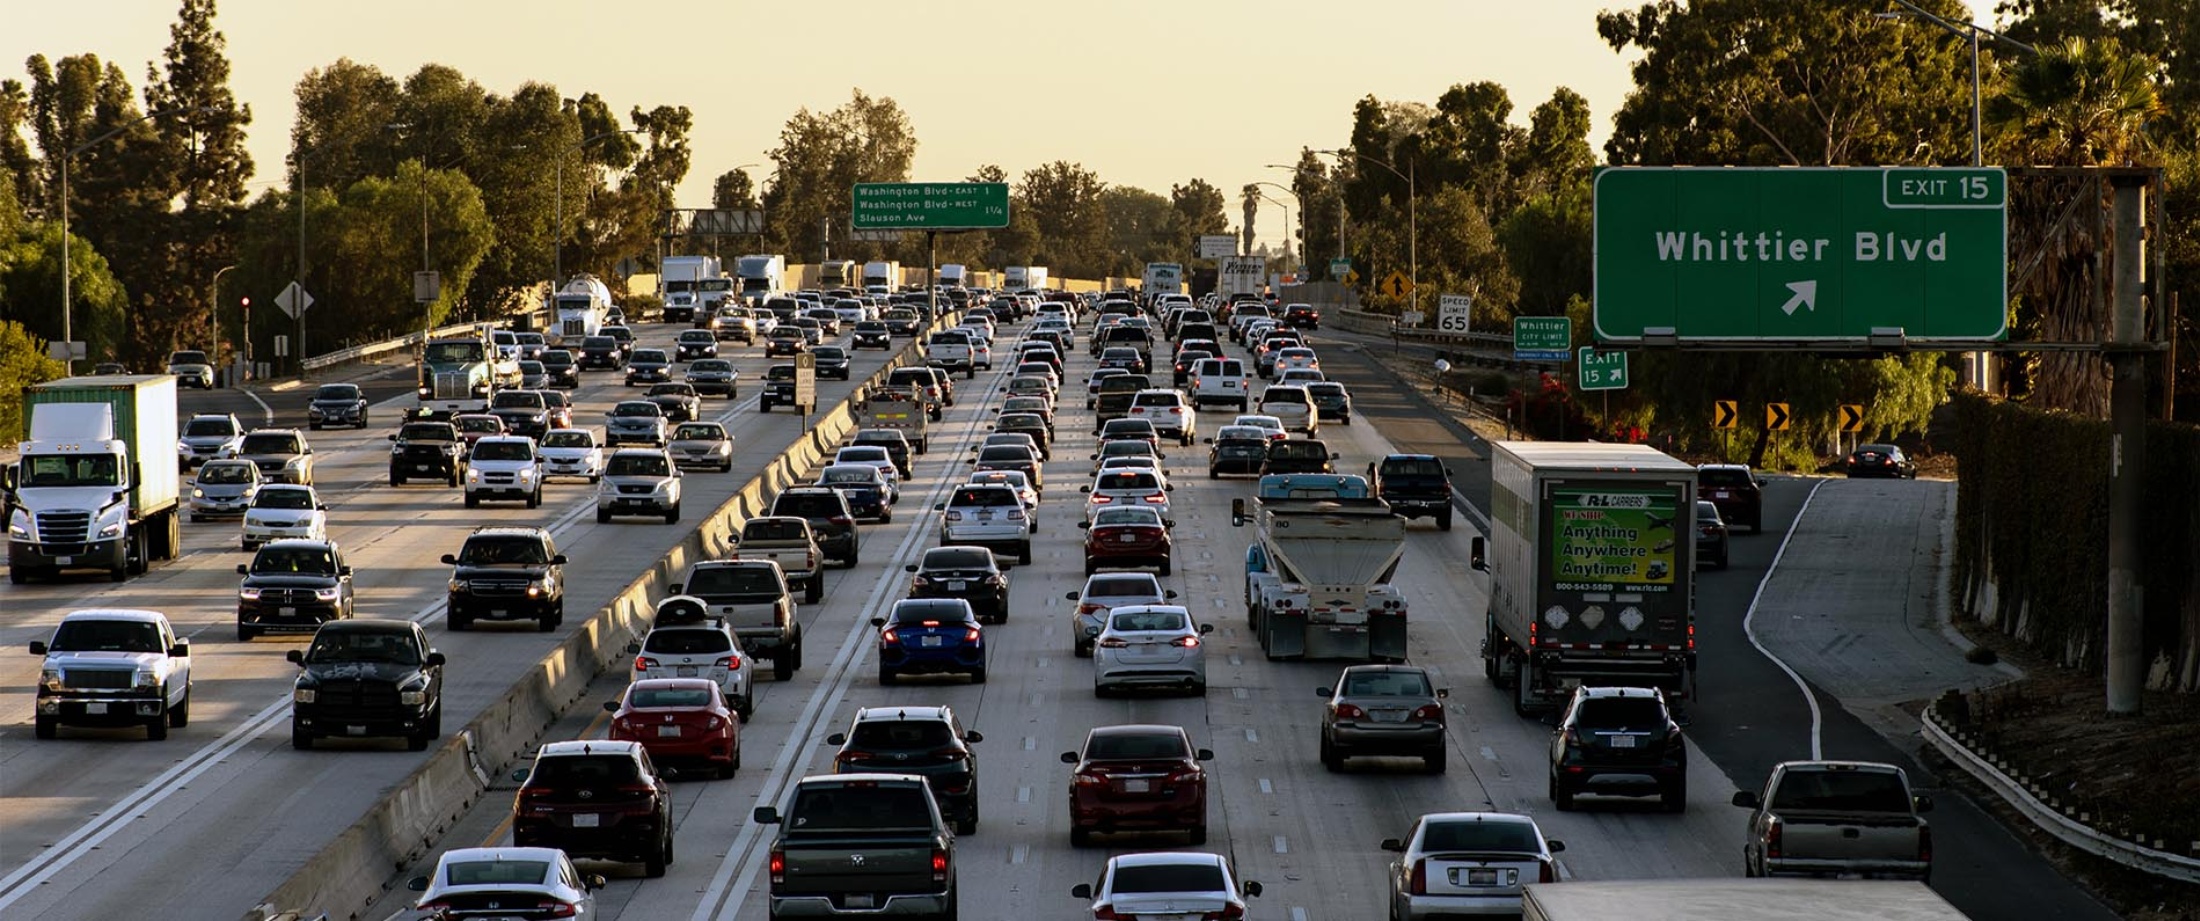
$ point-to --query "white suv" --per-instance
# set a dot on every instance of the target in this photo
(639, 481)
(1292, 404)
(687, 642)
(993, 517)
(950, 350)
(1171, 416)
(504, 467)
(1220, 380)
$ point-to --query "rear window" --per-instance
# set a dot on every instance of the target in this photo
(1480, 836)
(1412, 468)
(958, 558)
(1128, 481)
(1860, 791)
(584, 771)
(733, 580)
(1284, 395)
(1119, 587)
(901, 734)
(1724, 478)
(270, 444)
(671, 697)
(775, 530)
(1173, 877)
(837, 807)
(810, 506)
(1170, 398)
(1125, 745)
(687, 642)
(496, 872)
(1147, 620)
(1622, 713)
(632, 465)
(1386, 684)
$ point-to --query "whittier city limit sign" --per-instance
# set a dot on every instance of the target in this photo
(1801, 255)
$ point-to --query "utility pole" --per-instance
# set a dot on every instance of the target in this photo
(2126, 659)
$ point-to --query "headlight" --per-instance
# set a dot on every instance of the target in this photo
(301, 695)
(424, 394)
(295, 462)
(197, 493)
(327, 594)
(473, 475)
(248, 594)
(183, 447)
(147, 679)
(412, 698)
(50, 679)
(111, 530)
(459, 585)
(19, 524)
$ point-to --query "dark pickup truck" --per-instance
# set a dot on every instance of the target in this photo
(1415, 485)
(1116, 393)
(778, 388)
(367, 678)
(869, 844)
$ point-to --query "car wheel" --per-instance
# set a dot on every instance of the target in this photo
(1080, 837)
(1674, 797)
(1331, 760)
(1562, 796)
(1023, 553)
(1082, 651)
(534, 499)
(300, 739)
(977, 675)
(814, 591)
(156, 727)
(672, 514)
(653, 866)
(1199, 834)
(885, 675)
(1434, 761)
(45, 727)
(603, 516)
(1443, 520)
(473, 501)
(783, 665)
(1165, 566)
(247, 633)
(460, 623)
(1091, 567)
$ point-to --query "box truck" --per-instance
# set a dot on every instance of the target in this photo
(836, 273)
(881, 277)
(1591, 561)
(98, 483)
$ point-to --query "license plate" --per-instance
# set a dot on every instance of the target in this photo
(861, 900)
(586, 820)
(672, 732)
(95, 708)
(931, 641)
(64, 560)
(355, 730)
(1137, 786)
(956, 585)
(499, 612)
(423, 466)
(1128, 538)
(1718, 494)
(686, 671)
(1390, 716)
(1476, 877)
(1623, 741)
(286, 612)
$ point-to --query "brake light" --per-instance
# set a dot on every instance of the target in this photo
(950, 754)
(1158, 498)
(1691, 636)
(1105, 913)
(1418, 884)
(730, 663)
(890, 636)
(1102, 500)
(841, 519)
(435, 907)
(939, 865)
(1350, 712)
(644, 663)
(970, 635)
(1772, 838)
(1548, 872)
(779, 866)
(1090, 778)
(954, 515)
(1114, 643)
(1925, 843)
(1187, 642)
(1430, 712)
(1015, 514)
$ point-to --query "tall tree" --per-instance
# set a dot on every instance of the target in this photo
(16, 161)
(203, 148)
(342, 133)
(1138, 223)
(522, 139)
(1195, 211)
(1064, 201)
(1548, 246)
(1555, 152)
(1249, 204)
(821, 157)
(733, 189)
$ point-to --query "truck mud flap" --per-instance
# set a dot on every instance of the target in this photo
(1386, 637)
(1283, 634)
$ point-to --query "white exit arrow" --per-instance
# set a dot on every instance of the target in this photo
(1806, 295)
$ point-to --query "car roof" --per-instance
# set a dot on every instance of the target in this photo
(1168, 859)
(131, 614)
(1506, 818)
(368, 625)
(869, 714)
(1389, 669)
(549, 855)
(1602, 692)
(1742, 467)
(509, 531)
(1136, 729)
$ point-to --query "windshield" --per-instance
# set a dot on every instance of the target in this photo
(79, 470)
(636, 409)
(270, 444)
(1638, 713)
(1127, 516)
(315, 560)
(451, 352)
(283, 498)
(638, 465)
(209, 428)
(710, 364)
(106, 636)
(187, 358)
(530, 366)
(226, 473)
(1724, 478)
(650, 357)
(1168, 877)
(489, 551)
(556, 358)
(496, 872)
(677, 390)
(574, 772)
(600, 343)
(504, 451)
(836, 808)
(1147, 620)
(958, 558)
(361, 646)
(517, 399)
(573, 439)
(699, 433)
(734, 580)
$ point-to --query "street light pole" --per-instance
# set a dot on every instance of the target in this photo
(214, 316)
(1413, 222)
(68, 305)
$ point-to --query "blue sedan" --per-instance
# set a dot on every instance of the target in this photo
(930, 636)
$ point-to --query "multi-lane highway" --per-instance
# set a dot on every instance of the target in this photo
(209, 821)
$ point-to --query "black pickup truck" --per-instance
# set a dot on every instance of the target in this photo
(861, 844)
(366, 678)
(1415, 485)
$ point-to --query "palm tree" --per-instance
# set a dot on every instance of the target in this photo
(2076, 103)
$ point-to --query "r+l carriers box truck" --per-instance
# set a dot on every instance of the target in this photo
(97, 485)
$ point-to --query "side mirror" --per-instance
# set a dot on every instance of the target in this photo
(1745, 799)
(393, 437)
(417, 884)
(875, 622)
(182, 650)
(1082, 526)
(1096, 457)
(633, 649)
(765, 815)
(1205, 629)
(973, 736)
(1335, 456)
(558, 560)
(1071, 594)
(838, 738)
(344, 570)
(1393, 844)
(1207, 441)
(450, 560)
(1168, 522)
(1203, 755)
(611, 706)
(38, 648)
(1477, 557)
(595, 881)
(1252, 889)
(321, 506)
(909, 568)
(1237, 513)
(436, 659)
(1085, 488)
(1921, 803)
(1442, 693)
(1169, 594)
(1555, 845)
(1069, 757)
(295, 656)
(675, 587)
(940, 507)
(1081, 891)
(520, 774)
(243, 569)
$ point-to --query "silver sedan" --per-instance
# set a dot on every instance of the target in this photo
(1457, 864)
(702, 444)
(1150, 645)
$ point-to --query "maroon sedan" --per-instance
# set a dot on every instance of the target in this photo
(1125, 537)
(679, 720)
(1137, 777)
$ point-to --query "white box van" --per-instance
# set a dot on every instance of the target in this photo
(1220, 380)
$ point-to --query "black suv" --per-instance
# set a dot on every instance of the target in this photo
(367, 678)
(293, 585)
(507, 574)
(1738, 493)
(872, 334)
(966, 572)
(926, 741)
(595, 799)
(778, 388)
(602, 352)
(337, 404)
(830, 519)
(832, 362)
(1415, 485)
(1621, 741)
(429, 451)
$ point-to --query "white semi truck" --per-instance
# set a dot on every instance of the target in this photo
(954, 275)
(881, 277)
(1318, 573)
(578, 310)
(1162, 278)
(690, 283)
(836, 273)
(1592, 562)
(98, 485)
(760, 277)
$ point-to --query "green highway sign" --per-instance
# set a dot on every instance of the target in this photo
(1601, 370)
(1340, 267)
(929, 206)
(1801, 255)
(1543, 338)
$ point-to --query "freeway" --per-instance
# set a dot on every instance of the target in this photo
(102, 823)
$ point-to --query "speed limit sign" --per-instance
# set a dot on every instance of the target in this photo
(1452, 312)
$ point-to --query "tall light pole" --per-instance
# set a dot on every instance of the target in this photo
(67, 302)
(213, 316)
(1286, 211)
(1413, 233)
(1977, 366)
(1306, 216)
(557, 241)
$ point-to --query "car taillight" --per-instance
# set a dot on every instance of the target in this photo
(1185, 773)
(556, 909)
(1430, 712)
(1084, 609)
(1015, 514)
(1090, 779)
(730, 663)
(939, 865)
(1102, 500)
(1105, 913)
(779, 866)
(1418, 883)
(711, 724)
(892, 635)
(1547, 872)
(1188, 642)
(1157, 498)
(950, 754)
(1772, 838)
(644, 663)
(954, 515)
(1350, 712)
(435, 907)
(841, 519)
(1925, 843)
(970, 635)
(1114, 642)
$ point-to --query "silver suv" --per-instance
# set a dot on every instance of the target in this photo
(639, 481)
(987, 516)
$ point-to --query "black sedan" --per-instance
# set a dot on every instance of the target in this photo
(832, 362)
(337, 404)
(965, 572)
(1880, 461)
(1237, 453)
(872, 334)
(680, 401)
(1711, 535)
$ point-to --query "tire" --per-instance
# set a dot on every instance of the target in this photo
(396, 479)
(967, 826)
(1023, 553)
(783, 665)
(460, 623)
(672, 515)
(16, 575)
(977, 675)
(1722, 559)
(603, 516)
(473, 501)
(1331, 760)
(45, 727)
(300, 739)
(418, 741)
(1524, 688)
(654, 865)
(1562, 796)
(1199, 834)
(534, 499)
(1674, 798)
(814, 590)
(453, 479)
(246, 634)
(549, 623)
(434, 729)
(1166, 566)
(1080, 837)
(1434, 762)
(1443, 520)
(156, 728)
(885, 675)
(854, 556)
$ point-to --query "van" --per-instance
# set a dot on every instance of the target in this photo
(1220, 380)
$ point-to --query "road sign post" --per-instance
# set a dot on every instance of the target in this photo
(1801, 256)
(1454, 313)
(929, 206)
(1542, 338)
(1601, 370)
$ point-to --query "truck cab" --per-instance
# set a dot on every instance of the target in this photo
(98, 484)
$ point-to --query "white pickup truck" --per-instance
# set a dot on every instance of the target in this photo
(750, 596)
(113, 667)
(1837, 818)
(788, 541)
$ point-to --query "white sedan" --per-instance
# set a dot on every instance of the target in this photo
(1165, 884)
(571, 452)
(1150, 645)
(284, 510)
(1271, 426)
(539, 877)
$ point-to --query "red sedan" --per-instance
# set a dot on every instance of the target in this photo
(1126, 536)
(679, 720)
(1137, 777)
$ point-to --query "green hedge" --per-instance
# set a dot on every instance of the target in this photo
(2032, 518)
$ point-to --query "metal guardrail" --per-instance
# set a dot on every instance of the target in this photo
(2051, 820)
(358, 352)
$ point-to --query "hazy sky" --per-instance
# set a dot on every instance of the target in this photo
(1143, 93)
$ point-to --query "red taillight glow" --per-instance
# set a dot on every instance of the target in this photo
(970, 635)
(1772, 839)
(1105, 913)
(1430, 712)
(1925, 843)
(1187, 642)
(890, 636)
(1350, 712)
(1090, 778)
(644, 663)
(939, 865)
(1157, 498)
(1114, 642)
(1418, 884)
(779, 866)
(730, 663)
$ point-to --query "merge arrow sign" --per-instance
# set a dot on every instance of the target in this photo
(1806, 295)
